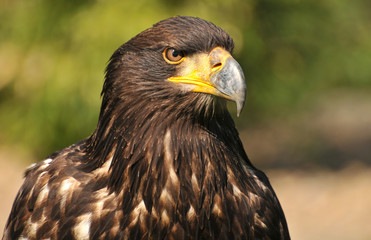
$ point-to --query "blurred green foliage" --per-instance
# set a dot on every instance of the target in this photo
(53, 55)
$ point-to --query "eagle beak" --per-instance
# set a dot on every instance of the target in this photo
(228, 77)
(216, 73)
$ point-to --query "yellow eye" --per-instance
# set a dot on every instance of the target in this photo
(173, 56)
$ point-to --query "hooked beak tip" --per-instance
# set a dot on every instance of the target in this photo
(240, 104)
(230, 81)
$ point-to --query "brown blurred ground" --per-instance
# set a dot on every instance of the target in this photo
(12, 166)
(326, 204)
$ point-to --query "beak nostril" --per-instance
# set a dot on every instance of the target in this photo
(217, 65)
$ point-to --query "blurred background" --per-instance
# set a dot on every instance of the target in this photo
(306, 123)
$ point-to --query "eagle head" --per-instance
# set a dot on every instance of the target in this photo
(182, 64)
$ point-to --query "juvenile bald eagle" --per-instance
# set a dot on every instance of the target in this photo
(165, 161)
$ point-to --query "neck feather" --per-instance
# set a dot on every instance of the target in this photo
(144, 140)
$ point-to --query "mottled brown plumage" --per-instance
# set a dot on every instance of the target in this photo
(165, 161)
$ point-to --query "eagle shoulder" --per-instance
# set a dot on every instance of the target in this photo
(59, 200)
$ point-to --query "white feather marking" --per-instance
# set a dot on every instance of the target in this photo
(104, 198)
(194, 182)
(64, 191)
(48, 161)
(65, 185)
(139, 208)
(104, 169)
(191, 213)
(169, 158)
(253, 199)
(173, 176)
(236, 191)
(45, 163)
(165, 218)
(258, 221)
(165, 196)
(167, 139)
(40, 176)
(98, 208)
(82, 229)
(32, 228)
(257, 180)
(260, 184)
(42, 195)
(216, 210)
(137, 213)
(154, 212)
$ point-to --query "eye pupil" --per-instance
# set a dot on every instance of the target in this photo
(173, 56)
